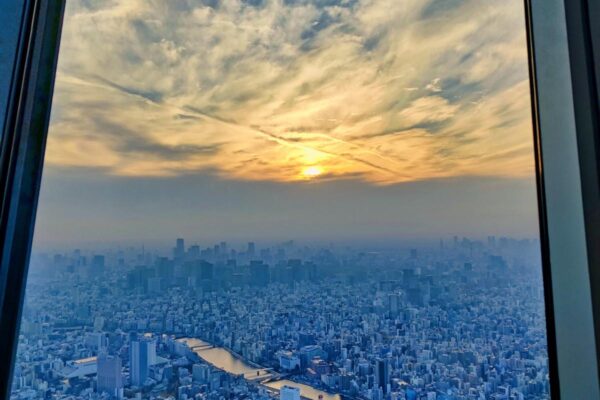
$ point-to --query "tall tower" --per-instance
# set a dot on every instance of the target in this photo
(109, 375)
(382, 373)
(142, 354)
(179, 250)
(251, 249)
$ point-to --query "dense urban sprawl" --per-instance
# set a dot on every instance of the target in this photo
(459, 320)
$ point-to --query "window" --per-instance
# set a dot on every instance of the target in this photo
(275, 199)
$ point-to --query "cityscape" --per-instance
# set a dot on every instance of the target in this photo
(458, 318)
(190, 141)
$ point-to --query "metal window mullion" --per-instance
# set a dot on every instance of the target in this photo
(565, 223)
(21, 158)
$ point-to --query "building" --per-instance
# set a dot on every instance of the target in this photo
(200, 373)
(382, 374)
(109, 377)
(393, 304)
(289, 393)
(288, 361)
(80, 368)
(96, 341)
(142, 354)
(259, 273)
(179, 250)
(251, 248)
(97, 266)
(307, 353)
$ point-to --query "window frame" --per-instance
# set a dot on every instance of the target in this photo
(583, 26)
(32, 32)
(564, 60)
(562, 177)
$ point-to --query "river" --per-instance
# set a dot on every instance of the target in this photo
(223, 359)
(305, 391)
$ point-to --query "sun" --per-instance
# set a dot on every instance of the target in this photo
(312, 172)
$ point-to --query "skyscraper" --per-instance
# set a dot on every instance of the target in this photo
(109, 375)
(393, 304)
(206, 270)
(382, 373)
(142, 354)
(97, 266)
(201, 372)
(259, 273)
(179, 250)
(205, 276)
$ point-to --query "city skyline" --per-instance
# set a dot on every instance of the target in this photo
(102, 212)
(286, 200)
(463, 321)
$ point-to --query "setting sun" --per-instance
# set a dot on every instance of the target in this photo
(311, 172)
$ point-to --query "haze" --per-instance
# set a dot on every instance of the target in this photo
(289, 119)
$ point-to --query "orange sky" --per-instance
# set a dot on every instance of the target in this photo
(383, 91)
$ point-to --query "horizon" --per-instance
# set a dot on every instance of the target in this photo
(162, 247)
(303, 119)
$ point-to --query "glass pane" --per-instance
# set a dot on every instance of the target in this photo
(282, 198)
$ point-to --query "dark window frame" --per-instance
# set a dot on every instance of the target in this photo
(583, 24)
(562, 177)
(28, 96)
(564, 58)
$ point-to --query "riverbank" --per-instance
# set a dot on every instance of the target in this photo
(225, 360)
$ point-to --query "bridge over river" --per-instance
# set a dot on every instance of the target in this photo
(232, 363)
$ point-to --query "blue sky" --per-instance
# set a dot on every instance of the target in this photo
(344, 103)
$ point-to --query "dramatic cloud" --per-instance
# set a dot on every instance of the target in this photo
(385, 91)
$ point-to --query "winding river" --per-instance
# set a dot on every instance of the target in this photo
(223, 359)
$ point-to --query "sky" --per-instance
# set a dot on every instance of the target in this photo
(338, 120)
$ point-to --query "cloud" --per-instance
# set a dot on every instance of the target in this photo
(382, 90)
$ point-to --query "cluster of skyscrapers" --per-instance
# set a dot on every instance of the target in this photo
(463, 319)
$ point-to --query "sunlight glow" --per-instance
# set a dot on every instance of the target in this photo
(302, 99)
(312, 172)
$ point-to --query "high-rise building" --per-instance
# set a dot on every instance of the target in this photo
(201, 372)
(259, 273)
(289, 393)
(142, 354)
(382, 373)
(109, 376)
(207, 270)
(179, 250)
(97, 266)
(413, 253)
(306, 339)
(151, 348)
(394, 304)
(205, 276)
(137, 279)
(164, 268)
(96, 341)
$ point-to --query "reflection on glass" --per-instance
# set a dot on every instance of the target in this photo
(258, 199)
